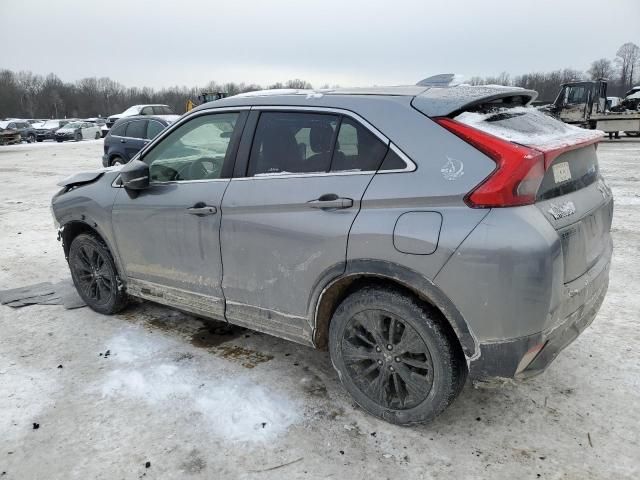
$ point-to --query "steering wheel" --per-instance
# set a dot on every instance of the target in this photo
(197, 171)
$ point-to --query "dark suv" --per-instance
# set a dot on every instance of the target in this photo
(128, 135)
(47, 130)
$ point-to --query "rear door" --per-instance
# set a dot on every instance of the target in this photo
(285, 222)
(167, 235)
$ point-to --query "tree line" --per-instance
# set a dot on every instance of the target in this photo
(621, 72)
(28, 95)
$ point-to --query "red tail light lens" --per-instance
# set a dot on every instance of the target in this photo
(518, 174)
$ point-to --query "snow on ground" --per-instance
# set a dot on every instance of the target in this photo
(198, 400)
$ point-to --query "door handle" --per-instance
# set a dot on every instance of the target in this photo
(122, 140)
(201, 209)
(330, 200)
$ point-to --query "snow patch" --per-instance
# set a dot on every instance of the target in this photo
(234, 408)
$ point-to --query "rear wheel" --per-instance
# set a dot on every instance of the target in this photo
(394, 357)
(117, 161)
(632, 134)
(94, 274)
(78, 136)
(97, 136)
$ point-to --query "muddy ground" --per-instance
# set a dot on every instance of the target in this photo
(153, 393)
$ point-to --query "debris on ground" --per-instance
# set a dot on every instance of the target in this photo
(36, 426)
(44, 293)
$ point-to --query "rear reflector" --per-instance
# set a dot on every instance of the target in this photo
(518, 174)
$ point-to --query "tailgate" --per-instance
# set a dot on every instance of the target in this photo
(572, 196)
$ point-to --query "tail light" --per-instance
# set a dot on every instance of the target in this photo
(518, 174)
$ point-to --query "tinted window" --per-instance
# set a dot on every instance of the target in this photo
(357, 149)
(162, 110)
(146, 111)
(153, 129)
(119, 130)
(194, 151)
(292, 143)
(136, 129)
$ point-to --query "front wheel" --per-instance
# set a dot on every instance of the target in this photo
(78, 136)
(31, 138)
(97, 136)
(95, 275)
(394, 357)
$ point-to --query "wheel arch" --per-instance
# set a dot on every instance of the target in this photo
(363, 272)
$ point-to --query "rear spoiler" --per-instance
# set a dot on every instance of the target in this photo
(450, 101)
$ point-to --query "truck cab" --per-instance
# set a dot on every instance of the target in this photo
(578, 101)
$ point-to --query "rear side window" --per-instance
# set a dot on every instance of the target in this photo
(162, 110)
(357, 149)
(119, 130)
(146, 111)
(137, 129)
(153, 129)
(286, 142)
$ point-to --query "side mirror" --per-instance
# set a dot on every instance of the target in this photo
(135, 175)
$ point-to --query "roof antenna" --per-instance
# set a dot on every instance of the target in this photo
(441, 80)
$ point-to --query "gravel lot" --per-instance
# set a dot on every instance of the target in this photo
(197, 401)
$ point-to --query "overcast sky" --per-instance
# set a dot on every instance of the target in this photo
(190, 42)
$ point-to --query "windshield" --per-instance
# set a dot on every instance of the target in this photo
(3, 125)
(132, 110)
(51, 124)
(73, 125)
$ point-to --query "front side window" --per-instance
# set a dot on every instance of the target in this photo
(196, 150)
(136, 129)
(286, 142)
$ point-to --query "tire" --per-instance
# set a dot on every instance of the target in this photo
(78, 137)
(38, 140)
(59, 141)
(632, 134)
(31, 138)
(95, 275)
(421, 352)
(97, 136)
(117, 161)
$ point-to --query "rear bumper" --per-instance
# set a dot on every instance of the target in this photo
(527, 356)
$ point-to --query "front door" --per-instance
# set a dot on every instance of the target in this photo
(168, 235)
(285, 224)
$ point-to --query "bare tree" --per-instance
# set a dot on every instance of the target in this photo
(601, 68)
(627, 60)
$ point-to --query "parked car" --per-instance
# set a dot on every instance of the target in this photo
(155, 110)
(101, 123)
(400, 228)
(47, 130)
(77, 131)
(128, 136)
(27, 132)
(9, 136)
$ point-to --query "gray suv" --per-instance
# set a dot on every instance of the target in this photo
(420, 234)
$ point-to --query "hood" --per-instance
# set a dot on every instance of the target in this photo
(87, 176)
